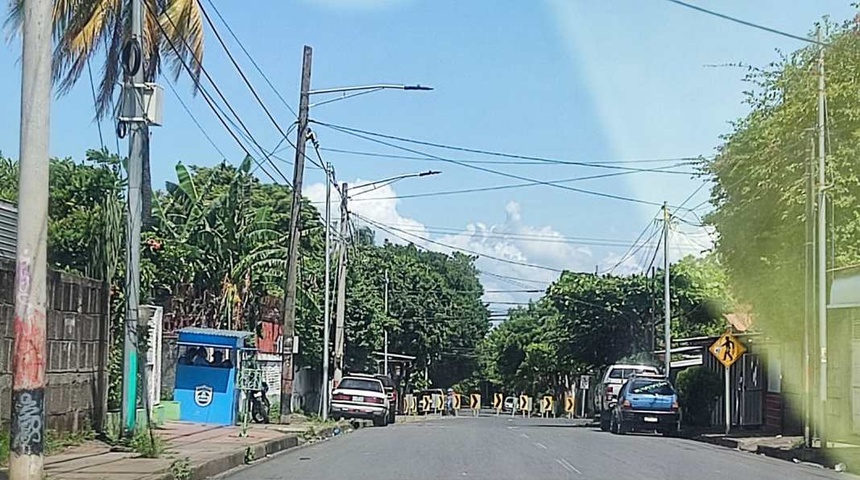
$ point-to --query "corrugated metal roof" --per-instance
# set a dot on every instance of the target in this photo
(8, 230)
(215, 332)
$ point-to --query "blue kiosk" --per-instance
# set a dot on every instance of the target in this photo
(206, 374)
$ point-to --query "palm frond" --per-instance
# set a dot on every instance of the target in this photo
(183, 26)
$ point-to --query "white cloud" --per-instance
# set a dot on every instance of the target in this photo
(513, 241)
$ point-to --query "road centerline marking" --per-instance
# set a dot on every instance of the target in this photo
(540, 445)
(567, 466)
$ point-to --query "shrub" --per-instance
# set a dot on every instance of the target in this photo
(698, 390)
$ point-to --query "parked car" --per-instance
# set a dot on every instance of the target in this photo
(606, 393)
(646, 403)
(510, 404)
(359, 396)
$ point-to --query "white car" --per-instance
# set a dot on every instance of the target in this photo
(510, 404)
(360, 397)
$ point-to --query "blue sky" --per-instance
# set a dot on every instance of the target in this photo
(569, 79)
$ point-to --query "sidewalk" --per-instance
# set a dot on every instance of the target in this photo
(194, 451)
(839, 456)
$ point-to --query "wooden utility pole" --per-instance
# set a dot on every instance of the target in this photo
(340, 312)
(27, 424)
(289, 314)
(667, 329)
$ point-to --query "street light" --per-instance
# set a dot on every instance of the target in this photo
(289, 304)
(362, 90)
(389, 181)
(374, 186)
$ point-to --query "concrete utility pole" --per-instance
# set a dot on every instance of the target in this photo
(666, 297)
(809, 292)
(133, 88)
(822, 248)
(327, 308)
(27, 425)
(289, 315)
(385, 353)
(340, 312)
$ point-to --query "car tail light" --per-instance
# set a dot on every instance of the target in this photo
(626, 405)
(374, 400)
(342, 397)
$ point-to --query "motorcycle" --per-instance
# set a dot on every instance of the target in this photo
(260, 404)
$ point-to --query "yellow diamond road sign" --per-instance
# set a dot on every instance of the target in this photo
(727, 349)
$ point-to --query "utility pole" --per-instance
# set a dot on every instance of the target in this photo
(133, 87)
(666, 297)
(327, 308)
(27, 426)
(822, 249)
(340, 312)
(385, 354)
(652, 334)
(289, 315)
(809, 276)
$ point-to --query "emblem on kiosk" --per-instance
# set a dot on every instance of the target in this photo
(203, 395)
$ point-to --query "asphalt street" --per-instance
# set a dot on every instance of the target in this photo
(504, 448)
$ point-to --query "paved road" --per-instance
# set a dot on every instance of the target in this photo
(503, 448)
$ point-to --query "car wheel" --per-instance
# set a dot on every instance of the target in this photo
(620, 428)
(392, 417)
(604, 420)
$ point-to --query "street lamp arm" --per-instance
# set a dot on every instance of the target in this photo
(393, 179)
(378, 86)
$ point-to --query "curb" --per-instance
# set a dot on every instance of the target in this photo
(259, 452)
(799, 455)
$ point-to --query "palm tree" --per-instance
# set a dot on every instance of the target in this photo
(86, 29)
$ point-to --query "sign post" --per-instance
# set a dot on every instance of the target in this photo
(728, 350)
(584, 385)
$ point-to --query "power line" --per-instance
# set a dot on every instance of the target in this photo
(677, 161)
(499, 187)
(194, 119)
(599, 242)
(253, 62)
(630, 252)
(247, 83)
(746, 23)
(497, 172)
(479, 151)
(424, 239)
(206, 96)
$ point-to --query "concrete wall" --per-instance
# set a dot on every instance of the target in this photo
(77, 349)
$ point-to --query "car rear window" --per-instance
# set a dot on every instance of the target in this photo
(656, 387)
(625, 373)
(360, 384)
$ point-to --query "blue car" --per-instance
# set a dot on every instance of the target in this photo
(646, 403)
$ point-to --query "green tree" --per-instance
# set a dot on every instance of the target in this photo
(760, 174)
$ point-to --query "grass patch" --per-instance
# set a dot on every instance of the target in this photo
(181, 469)
(55, 442)
(147, 444)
